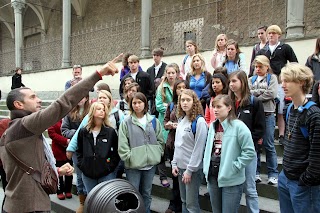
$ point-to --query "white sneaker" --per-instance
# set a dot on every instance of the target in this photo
(272, 181)
(258, 179)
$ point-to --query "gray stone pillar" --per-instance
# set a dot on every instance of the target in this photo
(66, 33)
(18, 6)
(146, 7)
(295, 25)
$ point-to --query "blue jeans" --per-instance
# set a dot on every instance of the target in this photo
(268, 143)
(224, 199)
(190, 192)
(250, 187)
(142, 181)
(80, 186)
(296, 199)
(90, 183)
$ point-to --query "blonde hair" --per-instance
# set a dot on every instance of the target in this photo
(203, 64)
(294, 72)
(109, 96)
(133, 58)
(262, 59)
(275, 29)
(196, 107)
(165, 79)
(218, 37)
(92, 110)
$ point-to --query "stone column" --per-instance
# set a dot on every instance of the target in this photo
(18, 6)
(295, 25)
(66, 33)
(146, 7)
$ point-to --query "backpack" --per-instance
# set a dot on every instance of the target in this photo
(304, 129)
(254, 78)
(121, 104)
(193, 124)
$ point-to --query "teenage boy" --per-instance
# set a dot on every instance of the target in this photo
(156, 72)
(262, 35)
(142, 78)
(299, 181)
(279, 54)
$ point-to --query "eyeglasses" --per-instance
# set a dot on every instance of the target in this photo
(76, 66)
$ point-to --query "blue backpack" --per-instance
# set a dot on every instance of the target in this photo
(193, 124)
(154, 123)
(254, 78)
(303, 128)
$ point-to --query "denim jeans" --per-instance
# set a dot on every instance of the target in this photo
(190, 192)
(80, 186)
(268, 143)
(90, 183)
(142, 181)
(224, 199)
(294, 198)
(250, 187)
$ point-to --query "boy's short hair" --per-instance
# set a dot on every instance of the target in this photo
(294, 72)
(157, 51)
(275, 29)
(133, 58)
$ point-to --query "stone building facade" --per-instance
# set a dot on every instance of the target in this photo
(99, 29)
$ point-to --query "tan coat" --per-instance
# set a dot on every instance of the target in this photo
(24, 138)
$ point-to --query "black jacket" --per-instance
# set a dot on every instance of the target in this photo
(160, 73)
(144, 81)
(253, 116)
(313, 62)
(315, 94)
(100, 159)
(280, 56)
(16, 81)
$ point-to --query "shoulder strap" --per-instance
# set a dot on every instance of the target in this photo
(171, 106)
(288, 111)
(185, 59)
(194, 125)
(154, 123)
(121, 105)
(268, 78)
(251, 100)
(116, 116)
(253, 79)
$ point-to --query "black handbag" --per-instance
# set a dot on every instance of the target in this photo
(214, 166)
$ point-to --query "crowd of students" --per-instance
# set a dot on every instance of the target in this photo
(211, 125)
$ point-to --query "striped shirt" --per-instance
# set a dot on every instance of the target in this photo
(301, 157)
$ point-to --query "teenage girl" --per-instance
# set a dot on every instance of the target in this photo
(97, 148)
(191, 134)
(229, 148)
(141, 146)
(191, 49)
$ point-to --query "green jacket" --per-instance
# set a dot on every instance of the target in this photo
(140, 147)
(161, 108)
(236, 153)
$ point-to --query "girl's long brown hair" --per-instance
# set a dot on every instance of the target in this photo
(245, 91)
(77, 114)
(196, 107)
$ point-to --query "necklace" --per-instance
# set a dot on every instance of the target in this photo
(295, 122)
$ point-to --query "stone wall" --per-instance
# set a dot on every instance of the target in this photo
(109, 27)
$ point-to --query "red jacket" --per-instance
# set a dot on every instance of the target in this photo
(59, 143)
(4, 124)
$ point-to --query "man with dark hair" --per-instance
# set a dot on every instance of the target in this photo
(262, 35)
(17, 79)
(156, 72)
(77, 73)
(26, 142)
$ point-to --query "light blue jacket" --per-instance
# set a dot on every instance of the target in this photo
(236, 153)
(73, 145)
